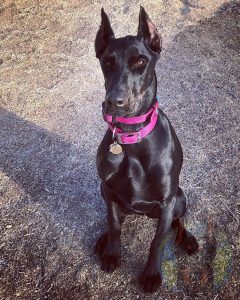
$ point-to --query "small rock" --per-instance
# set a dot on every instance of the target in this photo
(3, 264)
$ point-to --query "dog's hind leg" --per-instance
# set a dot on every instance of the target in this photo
(108, 246)
(180, 204)
(184, 238)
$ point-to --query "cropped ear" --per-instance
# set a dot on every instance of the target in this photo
(104, 34)
(148, 32)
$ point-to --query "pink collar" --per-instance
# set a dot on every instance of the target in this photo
(132, 137)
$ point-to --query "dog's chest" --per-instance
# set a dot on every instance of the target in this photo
(122, 168)
(134, 182)
(128, 173)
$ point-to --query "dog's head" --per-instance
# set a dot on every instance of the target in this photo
(128, 65)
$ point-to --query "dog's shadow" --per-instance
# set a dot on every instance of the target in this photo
(54, 173)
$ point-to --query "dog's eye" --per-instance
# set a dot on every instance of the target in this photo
(140, 63)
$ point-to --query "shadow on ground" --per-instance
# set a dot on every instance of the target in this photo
(48, 173)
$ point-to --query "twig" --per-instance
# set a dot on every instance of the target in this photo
(229, 210)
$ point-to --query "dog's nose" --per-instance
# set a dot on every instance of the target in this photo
(115, 102)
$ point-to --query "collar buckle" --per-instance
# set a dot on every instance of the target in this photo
(120, 137)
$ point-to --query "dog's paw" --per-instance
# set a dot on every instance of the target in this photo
(109, 254)
(101, 244)
(151, 281)
(190, 244)
(110, 263)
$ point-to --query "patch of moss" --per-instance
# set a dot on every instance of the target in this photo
(169, 269)
(222, 260)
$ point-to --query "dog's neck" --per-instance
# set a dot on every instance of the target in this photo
(149, 98)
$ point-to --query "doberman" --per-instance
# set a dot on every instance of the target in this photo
(140, 157)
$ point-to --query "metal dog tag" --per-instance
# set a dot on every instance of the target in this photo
(115, 148)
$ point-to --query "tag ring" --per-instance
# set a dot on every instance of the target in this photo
(113, 133)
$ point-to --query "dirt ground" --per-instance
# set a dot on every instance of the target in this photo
(51, 89)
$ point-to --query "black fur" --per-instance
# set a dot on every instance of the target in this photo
(144, 179)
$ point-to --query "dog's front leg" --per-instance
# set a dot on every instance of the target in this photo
(108, 245)
(151, 277)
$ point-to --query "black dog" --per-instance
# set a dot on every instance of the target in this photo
(139, 171)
